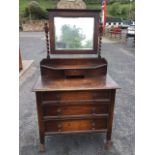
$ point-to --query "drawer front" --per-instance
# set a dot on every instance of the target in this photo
(104, 94)
(76, 96)
(75, 125)
(55, 110)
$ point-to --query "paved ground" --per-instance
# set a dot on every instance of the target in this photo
(121, 67)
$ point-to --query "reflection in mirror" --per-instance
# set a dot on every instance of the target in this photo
(74, 33)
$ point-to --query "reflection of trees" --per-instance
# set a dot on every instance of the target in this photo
(72, 36)
(88, 44)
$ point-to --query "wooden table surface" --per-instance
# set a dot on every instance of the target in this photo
(97, 83)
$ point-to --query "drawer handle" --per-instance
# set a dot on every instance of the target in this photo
(59, 127)
(59, 111)
(93, 110)
(93, 124)
(57, 97)
(95, 95)
(59, 130)
(93, 128)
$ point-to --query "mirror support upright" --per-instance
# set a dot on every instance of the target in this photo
(47, 40)
(100, 40)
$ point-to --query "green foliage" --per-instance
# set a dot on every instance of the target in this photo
(132, 13)
(122, 12)
(119, 1)
(88, 44)
(67, 36)
(115, 9)
(35, 11)
(92, 1)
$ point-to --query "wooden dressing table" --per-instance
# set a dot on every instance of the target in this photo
(74, 95)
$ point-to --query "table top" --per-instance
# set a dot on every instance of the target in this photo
(97, 83)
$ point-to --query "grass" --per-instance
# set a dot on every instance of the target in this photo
(52, 4)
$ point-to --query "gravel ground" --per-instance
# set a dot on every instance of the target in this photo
(121, 61)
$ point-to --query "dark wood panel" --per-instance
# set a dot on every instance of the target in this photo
(98, 83)
(73, 68)
(76, 132)
(76, 95)
(75, 125)
(55, 110)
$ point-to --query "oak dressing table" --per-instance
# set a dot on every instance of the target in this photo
(74, 95)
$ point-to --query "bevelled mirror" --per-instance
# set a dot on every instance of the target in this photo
(73, 31)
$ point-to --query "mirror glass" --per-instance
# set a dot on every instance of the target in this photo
(74, 33)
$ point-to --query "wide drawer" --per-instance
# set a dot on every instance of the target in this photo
(76, 95)
(55, 110)
(75, 125)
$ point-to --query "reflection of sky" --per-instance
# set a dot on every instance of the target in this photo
(86, 24)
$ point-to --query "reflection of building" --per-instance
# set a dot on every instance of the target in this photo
(114, 21)
(110, 21)
(128, 22)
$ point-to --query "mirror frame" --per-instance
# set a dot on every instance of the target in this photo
(74, 13)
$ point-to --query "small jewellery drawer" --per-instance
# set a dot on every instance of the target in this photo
(75, 124)
(76, 95)
(55, 110)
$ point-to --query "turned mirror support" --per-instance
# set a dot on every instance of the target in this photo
(47, 40)
(100, 40)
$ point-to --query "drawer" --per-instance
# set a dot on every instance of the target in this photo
(55, 110)
(50, 96)
(75, 125)
(76, 95)
(104, 94)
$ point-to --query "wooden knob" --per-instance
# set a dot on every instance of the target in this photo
(94, 95)
(59, 111)
(59, 130)
(57, 97)
(59, 127)
(93, 123)
(93, 110)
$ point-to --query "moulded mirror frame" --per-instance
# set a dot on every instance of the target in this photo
(69, 13)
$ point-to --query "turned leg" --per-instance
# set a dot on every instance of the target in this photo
(42, 143)
(42, 147)
(40, 122)
(108, 143)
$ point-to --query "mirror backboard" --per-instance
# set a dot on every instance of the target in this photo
(73, 31)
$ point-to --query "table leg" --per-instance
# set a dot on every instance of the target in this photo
(108, 143)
